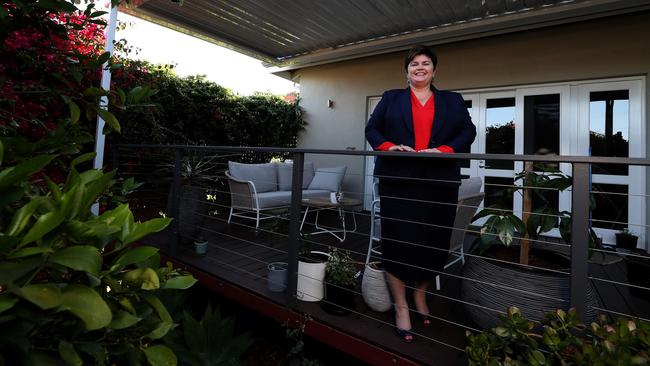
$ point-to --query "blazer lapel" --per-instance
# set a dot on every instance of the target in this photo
(407, 113)
(439, 113)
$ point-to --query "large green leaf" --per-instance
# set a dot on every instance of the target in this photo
(110, 119)
(45, 296)
(142, 229)
(29, 251)
(69, 354)
(179, 282)
(160, 331)
(95, 188)
(21, 218)
(161, 310)
(116, 216)
(7, 302)
(10, 176)
(123, 319)
(75, 112)
(160, 355)
(81, 258)
(45, 223)
(83, 158)
(85, 231)
(134, 255)
(86, 304)
(11, 271)
(145, 278)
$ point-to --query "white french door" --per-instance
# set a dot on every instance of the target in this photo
(610, 123)
(597, 118)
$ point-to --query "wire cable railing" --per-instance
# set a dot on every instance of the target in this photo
(279, 236)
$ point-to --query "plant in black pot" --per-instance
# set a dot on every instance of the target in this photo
(626, 239)
(197, 171)
(506, 271)
(340, 283)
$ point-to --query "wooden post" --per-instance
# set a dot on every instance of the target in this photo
(524, 248)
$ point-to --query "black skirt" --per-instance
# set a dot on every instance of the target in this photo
(417, 217)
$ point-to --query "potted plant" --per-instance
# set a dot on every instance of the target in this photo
(562, 341)
(340, 281)
(626, 239)
(197, 172)
(311, 273)
(523, 283)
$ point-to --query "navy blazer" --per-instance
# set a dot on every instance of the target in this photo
(392, 120)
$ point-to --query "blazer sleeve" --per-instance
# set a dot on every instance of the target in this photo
(376, 127)
(466, 133)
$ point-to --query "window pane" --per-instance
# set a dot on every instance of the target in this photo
(609, 127)
(500, 131)
(542, 124)
(611, 205)
(496, 195)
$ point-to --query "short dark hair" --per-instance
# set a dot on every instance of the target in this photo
(420, 50)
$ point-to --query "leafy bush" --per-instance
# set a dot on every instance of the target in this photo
(73, 288)
(208, 342)
(562, 341)
(192, 110)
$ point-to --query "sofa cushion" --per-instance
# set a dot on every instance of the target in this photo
(285, 174)
(264, 176)
(273, 199)
(278, 199)
(329, 179)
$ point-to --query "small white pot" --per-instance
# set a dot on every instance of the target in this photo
(310, 279)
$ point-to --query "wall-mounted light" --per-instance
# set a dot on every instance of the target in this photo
(330, 103)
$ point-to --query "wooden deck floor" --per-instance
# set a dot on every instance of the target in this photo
(239, 254)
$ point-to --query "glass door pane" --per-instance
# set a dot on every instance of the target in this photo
(609, 125)
(500, 131)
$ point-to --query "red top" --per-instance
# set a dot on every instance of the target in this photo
(422, 123)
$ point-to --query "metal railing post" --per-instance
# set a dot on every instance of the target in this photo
(175, 205)
(580, 238)
(294, 227)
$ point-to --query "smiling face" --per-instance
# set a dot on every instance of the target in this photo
(420, 71)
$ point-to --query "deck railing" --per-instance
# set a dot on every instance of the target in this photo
(165, 170)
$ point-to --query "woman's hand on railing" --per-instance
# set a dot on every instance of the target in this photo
(401, 148)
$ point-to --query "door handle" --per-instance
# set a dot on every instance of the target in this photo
(481, 164)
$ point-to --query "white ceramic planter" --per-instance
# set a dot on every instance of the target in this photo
(310, 279)
(374, 289)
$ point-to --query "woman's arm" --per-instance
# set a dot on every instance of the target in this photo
(462, 142)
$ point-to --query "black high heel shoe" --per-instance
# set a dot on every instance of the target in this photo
(425, 319)
(405, 335)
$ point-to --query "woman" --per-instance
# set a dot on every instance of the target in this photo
(418, 195)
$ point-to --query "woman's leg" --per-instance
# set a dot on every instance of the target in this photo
(398, 290)
(420, 298)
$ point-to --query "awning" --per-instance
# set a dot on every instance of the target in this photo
(292, 34)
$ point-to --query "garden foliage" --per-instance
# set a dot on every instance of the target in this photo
(563, 340)
(192, 110)
(73, 287)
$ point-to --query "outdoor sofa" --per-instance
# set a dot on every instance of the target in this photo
(255, 188)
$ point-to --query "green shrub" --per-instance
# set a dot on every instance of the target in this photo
(192, 110)
(563, 340)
